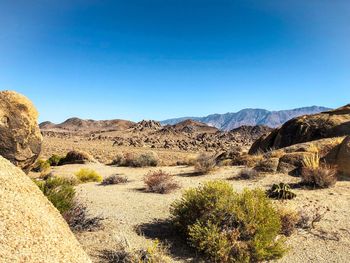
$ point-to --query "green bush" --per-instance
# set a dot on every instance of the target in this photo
(85, 175)
(59, 191)
(227, 226)
(55, 160)
(41, 166)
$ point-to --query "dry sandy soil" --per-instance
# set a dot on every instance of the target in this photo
(127, 206)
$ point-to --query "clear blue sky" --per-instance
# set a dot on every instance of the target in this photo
(156, 59)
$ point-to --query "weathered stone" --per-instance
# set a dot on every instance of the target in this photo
(20, 137)
(32, 230)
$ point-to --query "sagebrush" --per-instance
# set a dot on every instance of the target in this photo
(160, 182)
(227, 226)
(204, 164)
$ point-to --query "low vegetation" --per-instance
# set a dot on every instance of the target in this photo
(55, 160)
(289, 221)
(78, 219)
(41, 166)
(156, 253)
(160, 182)
(147, 159)
(319, 177)
(114, 179)
(280, 191)
(248, 174)
(86, 175)
(204, 164)
(59, 191)
(227, 226)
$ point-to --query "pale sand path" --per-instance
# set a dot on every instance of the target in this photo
(126, 206)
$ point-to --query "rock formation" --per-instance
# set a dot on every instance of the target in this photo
(32, 230)
(20, 137)
(306, 128)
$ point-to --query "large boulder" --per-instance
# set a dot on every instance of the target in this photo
(306, 128)
(20, 137)
(343, 157)
(31, 228)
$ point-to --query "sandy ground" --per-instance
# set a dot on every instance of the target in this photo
(128, 206)
(105, 152)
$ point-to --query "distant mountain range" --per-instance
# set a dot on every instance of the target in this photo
(251, 117)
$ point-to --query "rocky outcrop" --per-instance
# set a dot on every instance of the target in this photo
(20, 137)
(343, 157)
(306, 128)
(32, 230)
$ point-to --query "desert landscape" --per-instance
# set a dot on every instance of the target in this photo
(174, 131)
(116, 182)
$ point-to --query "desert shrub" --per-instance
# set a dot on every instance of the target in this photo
(289, 220)
(41, 166)
(155, 253)
(59, 191)
(228, 226)
(137, 160)
(160, 182)
(204, 164)
(119, 160)
(248, 159)
(55, 159)
(280, 191)
(320, 177)
(248, 174)
(85, 175)
(78, 220)
(227, 162)
(268, 165)
(114, 179)
(76, 157)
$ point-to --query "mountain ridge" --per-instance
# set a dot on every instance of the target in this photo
(251, 117)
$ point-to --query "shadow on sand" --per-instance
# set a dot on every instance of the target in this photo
(163, 231)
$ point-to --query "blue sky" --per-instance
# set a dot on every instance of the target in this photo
(157, 59)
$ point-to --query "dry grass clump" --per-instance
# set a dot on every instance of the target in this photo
(227, 226)
(248, 159)
(78, 220)
(268, 165)
(156, 253)
(320, 177)
(114, 179)
(136, 160)
(247, 174)
(311, 161)
(289, 220)
(85, 175)
(160, 182)
(204, 164)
